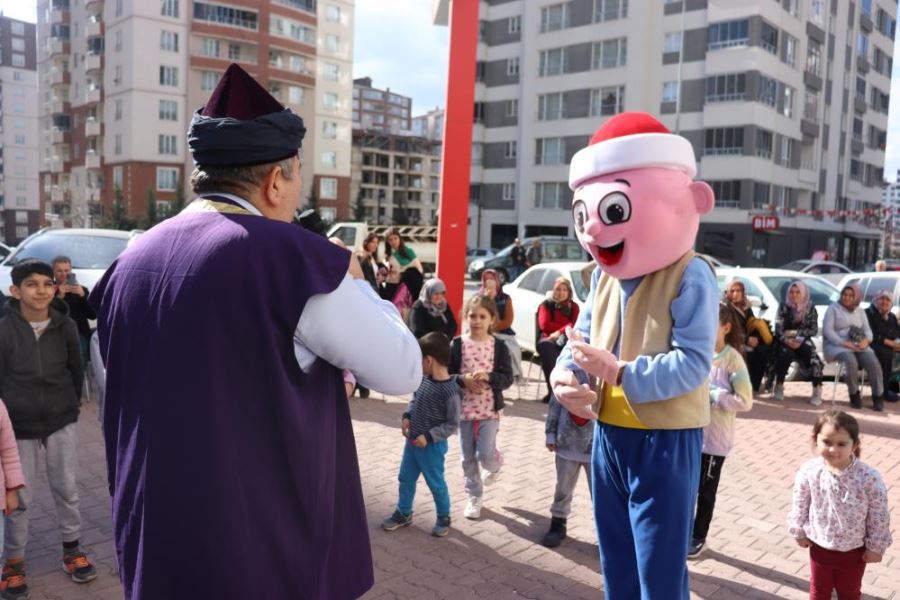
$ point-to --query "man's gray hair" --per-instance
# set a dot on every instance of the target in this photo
(236, 180)
(61, 259)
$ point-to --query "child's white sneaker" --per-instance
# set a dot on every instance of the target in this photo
(489, 478)
(816, 399)
(473, 508)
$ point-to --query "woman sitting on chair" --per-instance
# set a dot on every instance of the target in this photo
(846, 335)
(757, 337)
(554, 315)
(797, 323)
(886, 337)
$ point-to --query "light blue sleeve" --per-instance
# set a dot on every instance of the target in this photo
(582, 325)
(695, 320)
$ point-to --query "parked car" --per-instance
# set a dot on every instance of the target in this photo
(766, 290)
(555, 249)
(5, 251)
(477, 253)
(827, 269)
(872, 283)
(532, 287)
(92, 251)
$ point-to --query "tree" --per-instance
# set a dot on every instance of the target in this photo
(359, 209)
(152, 216)
(178, 205)
(117, 218)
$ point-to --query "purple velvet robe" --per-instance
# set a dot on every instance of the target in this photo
(233, 473)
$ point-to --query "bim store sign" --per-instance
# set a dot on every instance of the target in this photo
(765, 223)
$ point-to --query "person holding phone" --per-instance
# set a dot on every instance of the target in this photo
(76, 296)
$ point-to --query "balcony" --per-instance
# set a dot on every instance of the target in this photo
(91, 128)
(57, 193)
(59, 107)
(93, 95)
(93, 62)
(58, 136)
(91, 160)
(56, 165)
(60, 77)
(93, 29)
(93, 5)
(59, 16)
(58, 47)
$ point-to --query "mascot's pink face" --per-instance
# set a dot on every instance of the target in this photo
(638, 221)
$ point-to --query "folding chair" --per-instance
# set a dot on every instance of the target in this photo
(837, 377)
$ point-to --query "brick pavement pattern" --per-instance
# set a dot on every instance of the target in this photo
(749, 553)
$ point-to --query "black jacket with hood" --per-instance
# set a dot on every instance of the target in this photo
(40, 378)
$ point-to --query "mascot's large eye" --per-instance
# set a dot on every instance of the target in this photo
(579, 210)
(615, 208)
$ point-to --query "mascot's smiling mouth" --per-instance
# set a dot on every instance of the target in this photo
(611, 255)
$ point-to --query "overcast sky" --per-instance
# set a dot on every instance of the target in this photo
(398, 47)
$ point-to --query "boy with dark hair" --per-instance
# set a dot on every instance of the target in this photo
(431, 418)
(41, 385)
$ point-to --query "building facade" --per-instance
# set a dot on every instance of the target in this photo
(891, 219)
(121, 79)
(396, 178)
(784, 102)
(380, 110)
(19, 205)
(429, 125)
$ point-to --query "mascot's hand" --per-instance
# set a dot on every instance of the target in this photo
(578, 398)
(599, 363)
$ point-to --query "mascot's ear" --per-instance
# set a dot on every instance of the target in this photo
(704, 199)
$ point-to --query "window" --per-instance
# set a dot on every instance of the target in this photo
(727, 193)
(234, 52)
(768, 38)
(332, 72)
(726, 88)
(118, 40)
(170, 8)
(168, 41)
(724, 140)
(332, 43)
(296, 94)
(168, 110)
(813, 57)
(18, 28)
(168, 76)
(670, 91)
(673, 42)
(512, 108)
(790, 50)
(118, 144)
(515, 24)
(510, 150)
(166, 179)
(608, 101)
(553, 17)
(330, 101)
(817, 12)
(17, 76)
(167, 144)
(768, 88)
(811, 106)
(729, 34)
(118, 109)
(329, 130)
(328, 187)
(333, 13)
(225, 15)
(551, 106)
(117, 177)
(508, 191)
(329, 159)
(607, 10)
(512, 66)
(862, 44)
(118, 8)
(610, 53)
(18, 44)
(552, 62)
(786, 151)
(209, 47)
(550, 151)
(208, 81)
(18, 60)
(20, 139)
(788, 98)
(552, 195)
(477, 153)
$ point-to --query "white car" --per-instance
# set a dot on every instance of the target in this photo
(766, 289)
(872, 283)
(826, 269)
(533, 287)
(90, 250)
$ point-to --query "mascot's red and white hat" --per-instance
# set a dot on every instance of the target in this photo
(631, 140)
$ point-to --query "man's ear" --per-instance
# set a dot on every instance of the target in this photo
(271, 186)
(704, 198)
(14, 292)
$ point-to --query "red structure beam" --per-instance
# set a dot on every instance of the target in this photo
(457, 149)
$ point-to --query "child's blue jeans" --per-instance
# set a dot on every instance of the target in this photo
(427, 461)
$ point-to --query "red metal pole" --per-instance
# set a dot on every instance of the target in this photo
(457, 149)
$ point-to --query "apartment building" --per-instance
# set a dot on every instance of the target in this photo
(785, 103)
(429, 125)
(396, 178)
(380, 110)
(890, 197)
(120, 80)
(19, 206)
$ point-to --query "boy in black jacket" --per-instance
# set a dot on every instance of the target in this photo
(41, 378)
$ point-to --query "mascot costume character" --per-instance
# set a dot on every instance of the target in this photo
(638, 359)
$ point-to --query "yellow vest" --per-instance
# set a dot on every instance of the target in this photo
(646, 331)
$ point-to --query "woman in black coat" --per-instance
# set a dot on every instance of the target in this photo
(886, 337)
(431, 312)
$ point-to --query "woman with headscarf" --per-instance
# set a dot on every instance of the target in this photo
(492, 287)
(797, 323)
(846, 335)
(885, 337)
(756, 340)
(554, 315)
(431, 312)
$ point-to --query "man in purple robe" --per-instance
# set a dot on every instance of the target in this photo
(232, 464)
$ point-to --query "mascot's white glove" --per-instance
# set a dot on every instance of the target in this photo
(599, 363)
(578, 398)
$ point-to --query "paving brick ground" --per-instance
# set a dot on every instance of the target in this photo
(498, 557)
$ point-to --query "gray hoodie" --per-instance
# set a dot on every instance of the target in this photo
(573, 441)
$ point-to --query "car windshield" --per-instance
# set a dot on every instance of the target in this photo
(797, 265)
(581, 292)
(821, 292)
(86, 251)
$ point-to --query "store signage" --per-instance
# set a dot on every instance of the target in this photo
(765, 223)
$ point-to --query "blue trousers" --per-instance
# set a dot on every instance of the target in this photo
(645, 487)
(427, 461)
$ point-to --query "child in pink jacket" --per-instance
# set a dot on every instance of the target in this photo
(11, 478)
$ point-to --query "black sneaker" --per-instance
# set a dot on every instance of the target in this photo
(696, 548)
(557, 533)
(396, 521)
(79, 568)
(856, 400)
(441, 527)
(13, 585)
(878, 404)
